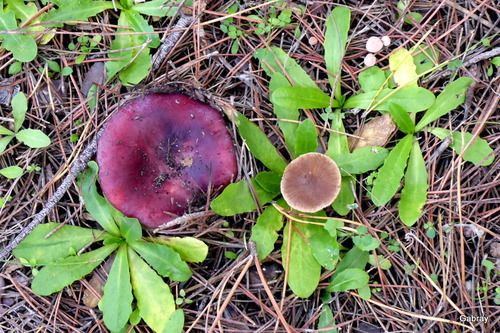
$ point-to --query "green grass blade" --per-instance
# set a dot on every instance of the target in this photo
(391, 173)
(414, 193)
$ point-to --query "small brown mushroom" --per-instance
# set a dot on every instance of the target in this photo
(311, 182)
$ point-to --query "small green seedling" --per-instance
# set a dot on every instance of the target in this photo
(139, 265)
(30, 137)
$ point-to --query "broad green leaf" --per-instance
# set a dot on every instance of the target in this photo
(23, 11)
(95, 204)
(139, 24)
(175, 323)
(75, 10)
(325, 248)
(337, 142)
(354, 258)
(401, 118)
(22, 46)
(303, 269)
(371, 79)
(259, 145)
(361, 160)
(337, 28)
(381, 262)
(365, 292)
(237, 198)
(154, 299)
(4, 142)
(401, 64)
(301, 98)
(452, 96)
(306, 138)
(36, 248)
(287, 127)
(345, 198)
(116, 302)
(332, 226)
(165, 260)
(11, 172)
(348, 279)
(426, 59)
(326, 320)
(6, 131)
(391, 173)
(33, 138)
(19, 108)
(137, 68)
(366, 242)
(413, 99)
(414, 193)
(264, 232)
(57, 275)
(130, 229)
(274, 60)
(156, 8)
(269, 181)
(189, 248)
(476, 152)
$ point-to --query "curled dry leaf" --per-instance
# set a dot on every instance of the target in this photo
(91, 297)
(375, 133)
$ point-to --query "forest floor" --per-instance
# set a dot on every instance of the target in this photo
(438, 280)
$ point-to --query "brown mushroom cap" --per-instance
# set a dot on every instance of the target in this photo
(311, 182)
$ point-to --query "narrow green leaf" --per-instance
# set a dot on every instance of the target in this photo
(36, 248)
(303, 269)
(337, 142)
(22, 46)
(452, 96)
(237, 198)
(4, 142)
(326, 320)
(57, 275)
(275, 60)
(5, 131)
(11, 172)
(354, 258)
(371, 79)
(414, 193)
(165, 260)
(76, 10)
(306, 138)
(116, 302)
(269, 181)
(95, 204)
(401, 118)
(130, 229)
(346, 197)
(476, 153)
(348, 279)
(33, 138)
(264, 232)
(361, 160)
(301, 98)
(19, 108)
(189, 248)
(391, 173)
(154, 300)
(414, 99)
(259, 145)
(337, 28)
(156, 8)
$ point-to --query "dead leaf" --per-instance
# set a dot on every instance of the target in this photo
(375, 133)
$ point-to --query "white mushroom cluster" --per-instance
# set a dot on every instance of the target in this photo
(373, 45)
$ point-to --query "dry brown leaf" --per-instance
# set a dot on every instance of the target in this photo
(376, 133)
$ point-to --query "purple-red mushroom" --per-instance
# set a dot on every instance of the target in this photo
(160, 153)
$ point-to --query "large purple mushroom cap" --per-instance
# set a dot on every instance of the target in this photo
(160, 153)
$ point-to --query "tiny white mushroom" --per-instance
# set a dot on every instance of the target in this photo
(386, 40)
(370, 60)
(374, 44)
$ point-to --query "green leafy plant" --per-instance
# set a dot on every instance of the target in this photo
(139, 263)
(311, 242)
(30, 137)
